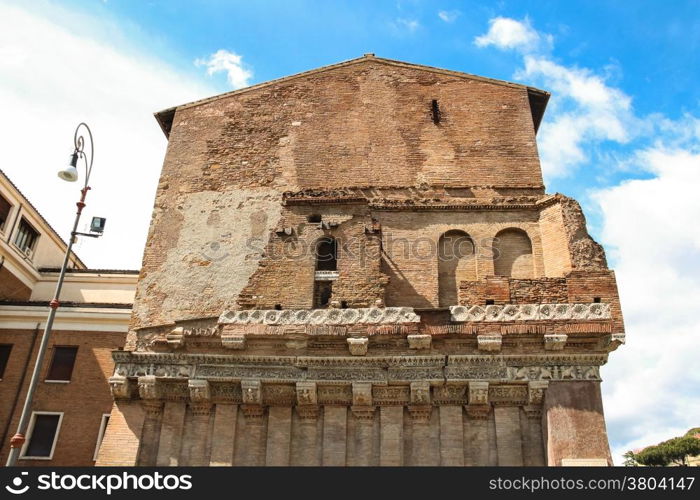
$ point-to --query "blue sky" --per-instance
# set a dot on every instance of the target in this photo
(621, 133)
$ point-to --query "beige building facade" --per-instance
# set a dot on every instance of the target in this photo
(359, 265)
(72, 402)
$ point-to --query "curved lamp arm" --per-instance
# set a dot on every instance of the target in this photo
(79, 141)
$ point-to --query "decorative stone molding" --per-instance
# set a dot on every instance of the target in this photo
(530, 312)
(306, 393)
(153, 408)
(553, 373)
(533, 412)
(233, 339)
(252, 392)
(478, 393)
(391, 395)
(176, 337)
(121, 387)
(361, 394)
(489, 342)
(419, 341)
(358, 346)
(254, 414)
(612, 341)
(148, 387)
(535, 391)
(450, 394)
(420, 393)
(199, 390)
(507, 395)
(555, 341)
(369, 315)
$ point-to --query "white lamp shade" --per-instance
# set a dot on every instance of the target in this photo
(69, 174)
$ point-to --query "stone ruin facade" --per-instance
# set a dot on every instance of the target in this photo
(359, 265)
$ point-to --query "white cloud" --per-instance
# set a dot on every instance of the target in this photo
(53, 75)
(449, 16)
(237, 75)
(506, 33)
(649, 228)
(652, 386)
(405, 25)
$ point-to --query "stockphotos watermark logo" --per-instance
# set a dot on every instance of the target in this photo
(107, 483)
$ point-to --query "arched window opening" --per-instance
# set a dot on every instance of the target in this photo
(326, 255)
(512, 254)
(456, 263)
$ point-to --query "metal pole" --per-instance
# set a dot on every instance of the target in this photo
(17, 441)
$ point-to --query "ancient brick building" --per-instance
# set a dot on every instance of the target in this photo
(359, 265)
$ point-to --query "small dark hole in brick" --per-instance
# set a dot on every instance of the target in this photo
(314, 218)
(278, 307)
(343, 304)
(490, 302)
(596, 300)
(436, 111)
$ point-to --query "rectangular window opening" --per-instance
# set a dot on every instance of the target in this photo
(596, 300)
(5, 208)
(101, 434)
(490, 302)
(26, 237)
(42, 436)
(61, 368)
(4, 357)
(436, 111)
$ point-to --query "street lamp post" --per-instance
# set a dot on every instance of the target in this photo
(69, 174)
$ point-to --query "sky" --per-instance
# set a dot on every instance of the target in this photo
(621, 133)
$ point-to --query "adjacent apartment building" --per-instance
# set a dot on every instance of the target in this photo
(359, 265)
(73, 402)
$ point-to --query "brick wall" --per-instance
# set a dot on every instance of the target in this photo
(84, 400)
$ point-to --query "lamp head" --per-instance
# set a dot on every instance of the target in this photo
(70, 173)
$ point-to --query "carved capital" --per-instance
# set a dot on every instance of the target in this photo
(149, 388)
(419, 341)
(233, 339)
(153, 408)
(306, 393)
(535, 391)
(478, 393)
(254, 414)
(308, 413)
(358, 346)
(361, 393)
(252, 392)
(489, 342)
(420, 414)
(200, 391)
(555, 341)
(363, 413)
(420, 393)
(201, 408)
(612, 341)
(478, 412)
(121, 387)
(533, 412)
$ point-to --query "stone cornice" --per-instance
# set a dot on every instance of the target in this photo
(530, 312)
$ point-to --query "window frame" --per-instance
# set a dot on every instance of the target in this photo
(7, 361)
(53, 357)
(3, 224)
(101, 434)
(30, 433)
(32, 248)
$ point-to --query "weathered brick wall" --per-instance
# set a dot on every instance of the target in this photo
(367, 124)
(83, 401)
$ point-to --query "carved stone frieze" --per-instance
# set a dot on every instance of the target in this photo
(335, 394)
(508, 394)
(370, 315)
(363, 413)
(450, 394)
(530, 312)
(308, 413)
(279, 394)
(391, 394)
(254, 414)
(420, 414)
